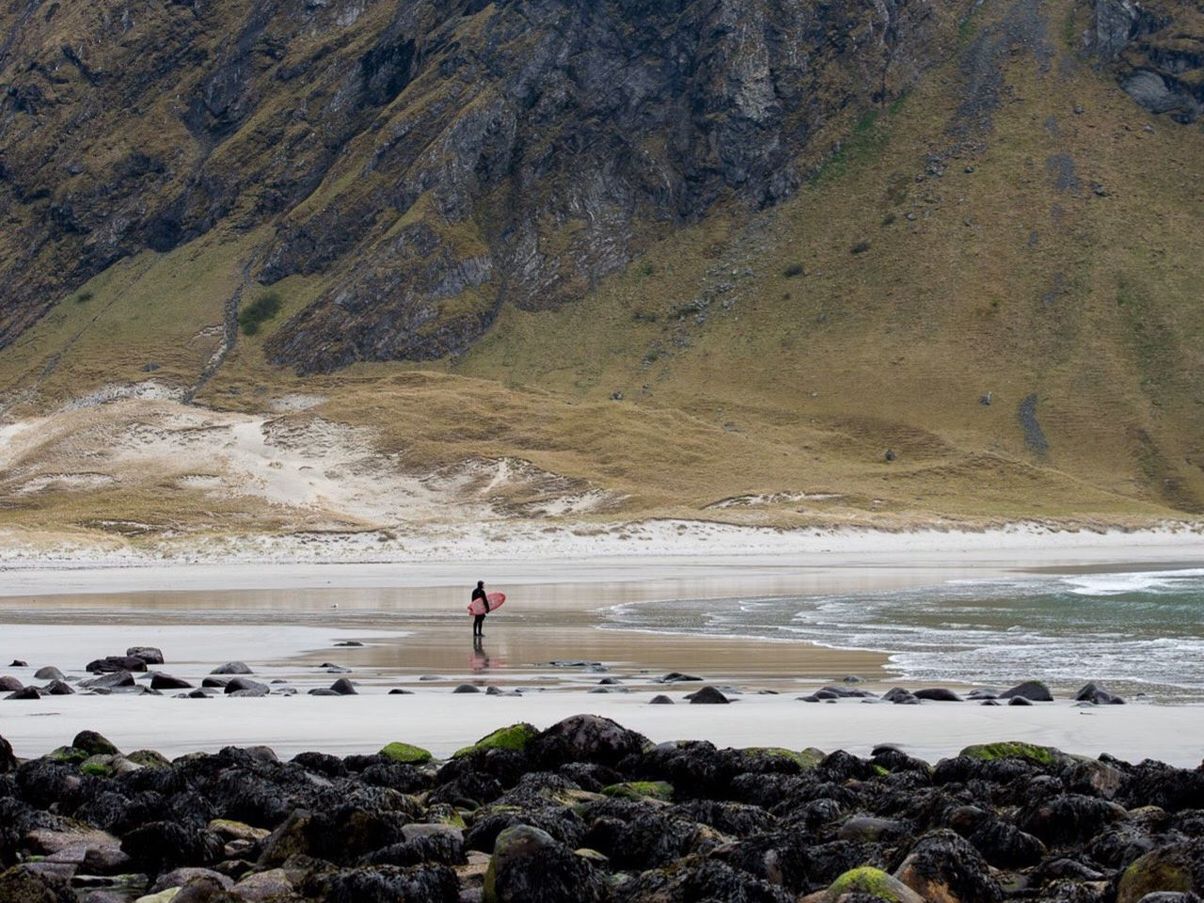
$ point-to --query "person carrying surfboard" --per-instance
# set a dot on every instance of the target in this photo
(478, 621)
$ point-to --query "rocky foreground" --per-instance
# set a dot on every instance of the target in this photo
(590, 811)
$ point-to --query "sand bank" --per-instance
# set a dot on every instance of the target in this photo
(443, 722)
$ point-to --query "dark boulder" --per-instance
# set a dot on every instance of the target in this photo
(114, 663)
(8, 762)
(530, 866)
(48, 673)
(708, 696)
(232, 668)
(705, 880)
(1004, 845)
(1032, 690)
(27, 693)
(383, 884)
(937, 694)
(94, 744)
(1097, 695)
(585, 738)
(24, 884)
(1069, 818)
(160, 846)
(58, 688)
(152, 655)
(10, 684)
(943, 866)
(247, 686)
(343, 687)
(110, 681)
(660, 699)
(167, 682)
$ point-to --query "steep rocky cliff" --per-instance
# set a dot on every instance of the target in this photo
(439, 159)
(855, 261)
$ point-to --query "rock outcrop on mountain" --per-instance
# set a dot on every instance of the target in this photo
(1157, 51)
(440, 159)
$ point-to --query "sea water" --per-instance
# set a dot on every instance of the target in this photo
(1137, 632)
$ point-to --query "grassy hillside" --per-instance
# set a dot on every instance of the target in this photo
(1015, 230)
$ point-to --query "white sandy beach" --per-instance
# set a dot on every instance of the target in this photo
(279, 617)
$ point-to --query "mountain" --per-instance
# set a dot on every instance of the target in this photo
(870, 263)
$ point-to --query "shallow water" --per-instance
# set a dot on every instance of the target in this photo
(1137, 631)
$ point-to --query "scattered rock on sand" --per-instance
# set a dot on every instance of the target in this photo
(152, 655)
(677, 677)
(1015, 700)
(26, 693)
(17, 663)
(1032, 690)
(114, 663)
(167, 682)
(109, 681)
(48, 673)
(246, 686)
(349, 643)
(232, 668)
(708, 696)
(660, 699)
(1097, 695)
(937, 694)
(398, 691)
(10, 684)
(344, 687)
(466, 688)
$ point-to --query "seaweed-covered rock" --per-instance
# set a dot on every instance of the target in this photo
(586, 738)
(384, 884)
(1175, 868)
(529, 866)
(23, 884)
(8, 761)
(1068, 818)
(943, 866)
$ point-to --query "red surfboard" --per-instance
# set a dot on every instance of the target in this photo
(496, 601)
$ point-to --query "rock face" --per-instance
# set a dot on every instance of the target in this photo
(433, 160)
(1157, 55)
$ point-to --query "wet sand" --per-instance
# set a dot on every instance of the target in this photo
(285, 620)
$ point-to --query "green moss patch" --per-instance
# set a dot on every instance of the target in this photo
(406, 753)
(636, 790)
(1013, 749)
(867, 880)
(515, 737)
(806, 759)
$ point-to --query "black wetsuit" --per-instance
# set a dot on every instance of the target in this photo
(478, 622)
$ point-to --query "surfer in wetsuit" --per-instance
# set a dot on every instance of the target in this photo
(478, 621)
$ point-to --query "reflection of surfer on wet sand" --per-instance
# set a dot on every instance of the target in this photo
(479, 660)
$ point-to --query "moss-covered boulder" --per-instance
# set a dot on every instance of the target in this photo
(406, 753)
(1168, 869)
(638, 790)
(806, 759)
(149, 758)
(68, 755)
(94, 744)
(871, 882)
(515, 737)
(1014, 749)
